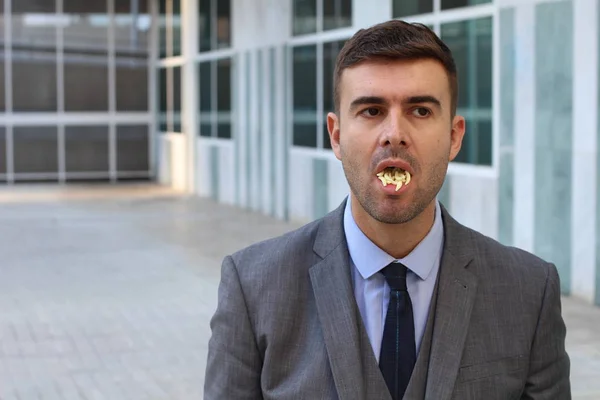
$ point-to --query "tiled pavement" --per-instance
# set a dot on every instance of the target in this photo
(106, 293)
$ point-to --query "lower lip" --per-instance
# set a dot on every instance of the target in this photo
(391, 188)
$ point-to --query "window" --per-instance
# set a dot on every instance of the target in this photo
(449, 4)
(169, 26)
(35, 149)
(169, 84)
(132, 28)
(132, 148)
(215, 98)
(85, 55)
(307, 64)
(405, 8)
(34, 56)
(305, 95)
(86, 149)
(471, 45)
(333, 14)
(214, 25)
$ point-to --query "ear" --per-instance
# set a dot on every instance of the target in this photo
(456, 136)
(333, 126)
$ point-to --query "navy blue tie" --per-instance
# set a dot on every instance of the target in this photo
(398, 350)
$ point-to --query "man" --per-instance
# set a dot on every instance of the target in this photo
(388, 297)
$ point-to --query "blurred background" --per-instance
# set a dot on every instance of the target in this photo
(142, 140)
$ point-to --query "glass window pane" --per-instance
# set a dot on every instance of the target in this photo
(85, 7)
(34, 56)
(305, 95)
(224, 85)
(448, 4)
(162, 99)
(86, 149)
(405, 8)
(305, 134)
(223, 23)
(132, 148)
(224, 130)
(33, 6)
(305, 16)
(140, 6)
(86, 56)
(205, 25)
(337, 14)
(162, 28)
(131, 41)
(206, 106)
(132, 84)
(205, 86)
(35, 149)
(176, 27)
(471, 45)
(224, 98)
(86, 83)
(206, 128)
(177, 99)
(2, 150)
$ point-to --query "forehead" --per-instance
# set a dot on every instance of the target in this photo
(395, 80)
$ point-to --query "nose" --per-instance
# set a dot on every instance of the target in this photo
(396, 132)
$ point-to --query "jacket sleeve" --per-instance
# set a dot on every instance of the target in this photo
(549, 367)
(234, 364)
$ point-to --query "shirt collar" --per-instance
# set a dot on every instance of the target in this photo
(370, 259)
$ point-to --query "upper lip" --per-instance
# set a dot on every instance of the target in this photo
(394, 163)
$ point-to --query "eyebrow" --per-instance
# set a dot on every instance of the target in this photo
(423, 99)
(360, 101)
(376, 100)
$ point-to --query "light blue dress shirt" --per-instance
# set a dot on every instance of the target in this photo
(370, 288)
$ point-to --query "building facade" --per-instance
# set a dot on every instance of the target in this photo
(75, 91)
(246, 125)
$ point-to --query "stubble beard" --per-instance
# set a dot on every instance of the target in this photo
(387, 212)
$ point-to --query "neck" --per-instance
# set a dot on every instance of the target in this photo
(398, 240)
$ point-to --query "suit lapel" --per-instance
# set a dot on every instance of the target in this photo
(353, 365)
(456, 295)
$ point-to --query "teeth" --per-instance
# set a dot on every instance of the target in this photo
(394, 176)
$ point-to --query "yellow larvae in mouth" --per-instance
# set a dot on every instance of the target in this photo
(394, 176)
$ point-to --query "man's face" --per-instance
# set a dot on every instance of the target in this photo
(395, 114)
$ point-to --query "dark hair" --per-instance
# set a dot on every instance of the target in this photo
(395, 40)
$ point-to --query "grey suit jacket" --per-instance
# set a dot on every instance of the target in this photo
(287, 325)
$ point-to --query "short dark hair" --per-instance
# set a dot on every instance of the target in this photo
(395, 40)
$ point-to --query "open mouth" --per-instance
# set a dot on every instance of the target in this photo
(394, 176)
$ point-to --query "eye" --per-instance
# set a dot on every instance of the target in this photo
(371, 112)
(421, 112)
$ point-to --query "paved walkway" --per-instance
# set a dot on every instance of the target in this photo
(106, 293)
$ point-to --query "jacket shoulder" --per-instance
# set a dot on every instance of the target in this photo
(293, 245)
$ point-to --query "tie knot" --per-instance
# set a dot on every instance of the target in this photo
(395, 275)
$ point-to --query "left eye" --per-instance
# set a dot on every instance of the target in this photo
(421, 112)
(371, 112)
